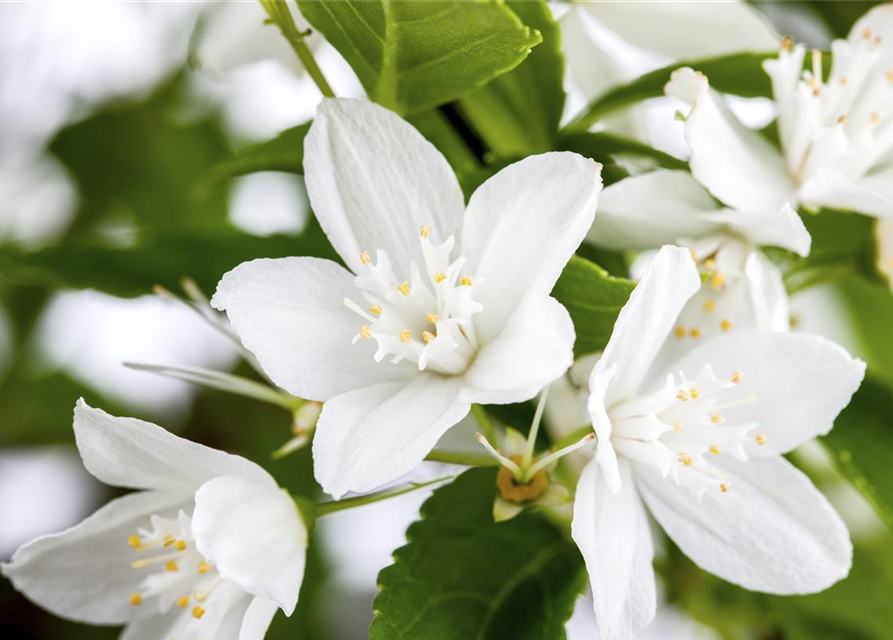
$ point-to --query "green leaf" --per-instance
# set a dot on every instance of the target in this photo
(518, 113)
(593, 298)
(840, 16)
(162, 257)
(411, 56)
(464, 577)
(738, 73)
(285, 153)
(607, 148)
(861, 442)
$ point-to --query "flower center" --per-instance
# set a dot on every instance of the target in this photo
(514, 491)
(680, 428)
(177, 572)
(427, 319)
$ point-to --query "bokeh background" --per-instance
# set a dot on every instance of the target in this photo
(117, 121)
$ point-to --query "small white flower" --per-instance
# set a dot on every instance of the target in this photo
(443, 305)
(836, 136)
(209, 547)
(701, 442)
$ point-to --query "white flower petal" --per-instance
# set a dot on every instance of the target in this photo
(84, 573)
(254, 535)
(768, 294)
(373, 181)
(831, 188)
(880, 21)
(612, 533)
(800, 382)
(735, 163)
(645, 322)
(652, 209)
(126, 452)
(257, 619)
(682, 30)
(776, 228)
(290, 313)
(368, 437)
(534, 348)
(772, 531)
(521, 228)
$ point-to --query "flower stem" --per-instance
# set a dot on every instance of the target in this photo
(281, 16)
(325, 508)
(461, 457)
(484, 422)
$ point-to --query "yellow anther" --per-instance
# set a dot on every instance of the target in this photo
(736, 377)
(171, 565)
(714, 450)
(843, 82)
(709, 263)
(405, 335)
(466, 281)
(694, 256)
(136, 599)
(723, 487)
(685, 459)
(875, 117)
(134, 541)
(717, 280)
(695, 333)
(816, 92)
(366, 331)
(788, 43)
(709, 306)
(677, 427)
(842, 120)
(681, 395)
(890, 76)
(427, 336)
(680, 332)
(716, 418)
(200, 595)
(365, 258)
(168, 540)
(439, 276)
(725, 325)
(425, 231)
(433, 318)
(694, 392)
(183, 602)
(167, 537)
(197, 612)
(203, 567)
(867, 34)
(180, 546)
(404, 288)
(761, 439)
(377, 310)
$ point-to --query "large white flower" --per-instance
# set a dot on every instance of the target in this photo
(741, 288)
(836, 134)
(441, 305)
(209, 547)
(701, 442)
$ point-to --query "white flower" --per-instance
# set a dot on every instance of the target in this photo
(883, 233)
(209, 547)
(701, 442)
(836, 136)
(742, 288)
(443, 305)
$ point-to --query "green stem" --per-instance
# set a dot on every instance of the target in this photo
(460, 457)
(280, 15)
(325, 508)
(484, 422)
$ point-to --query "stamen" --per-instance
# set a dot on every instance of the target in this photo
(736, 377)
(867, 34)
(681, 395)
(695, 333)
(709, 306)
(545, 461)
(680, 332)
(404, 288)
(353, 306)
(677, 427)
(685, 459)
(817, 65)
(788, 43)
(180, 546)
(723, 487)
(405, 335)
(761, 439)
(197, 612)
(466, 281)
(505, 462)
(694, 392)
(843, 81)
(171, 565)
(365, 258)
(366, 331)
(377, 310)
(183, 602)
(203, 567)
(433, 318)
(439, 276)
(875, 117)
(425, 231)
(136, 599)
(716, 418)
(842, 119)
(714, 449)
(134, 541)
(146, 562)
(725, 325)
(717, 280)
(427, 336)
(709, 264)
(816, 92)
(890, 76)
